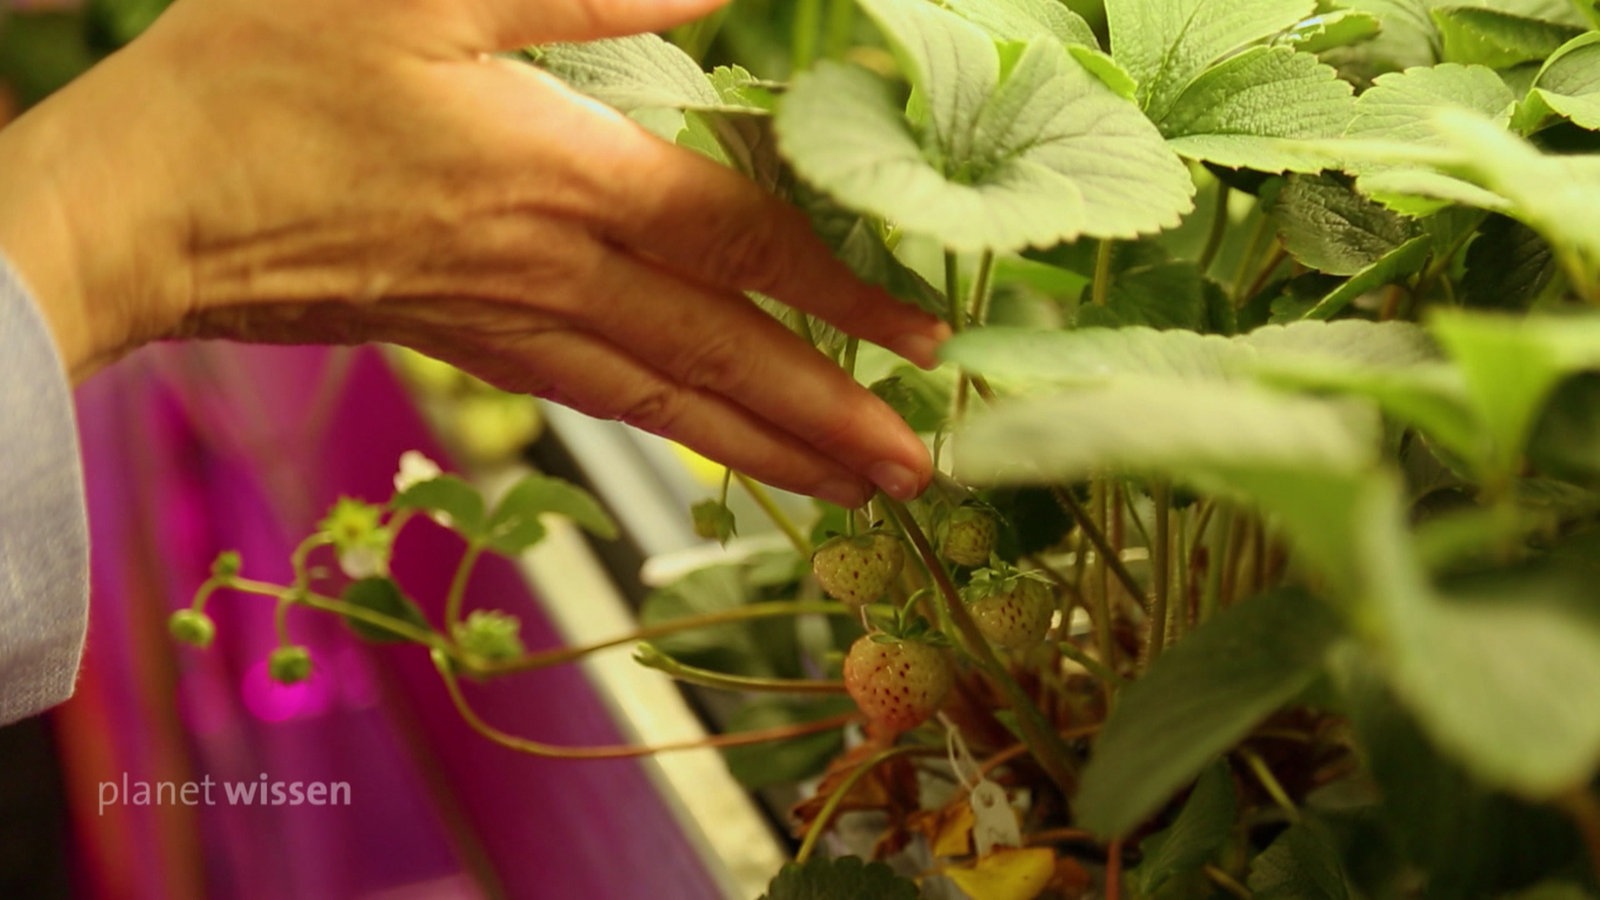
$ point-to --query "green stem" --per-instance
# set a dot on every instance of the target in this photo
(458, 587)
(652, 658)
(1097, 537)
(559, 655)
(852, 347)
(1274, 260)
(1100, 291)
(1099, 506)
(840, 29)
(441, 661)
(1270, 783)
(1049, 750)
(977, 309)
(1096, 668)
(952, 290)
(280, 618)
(1217, 562)
(763, 499)
(1248, 258)
(807, 25)
(1160, 569)
(1218, 230)
(819, 825)
(1227, 882)
(327, 604)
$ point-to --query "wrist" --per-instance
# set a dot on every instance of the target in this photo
(76, 221)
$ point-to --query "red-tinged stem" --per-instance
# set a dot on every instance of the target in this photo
(626, 751)
(1114, 870)
(1048, 748)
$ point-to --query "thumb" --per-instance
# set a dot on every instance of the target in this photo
(510, 24)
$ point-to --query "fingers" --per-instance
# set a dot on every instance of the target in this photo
(717, 342)
(510, 24)
(714, 225)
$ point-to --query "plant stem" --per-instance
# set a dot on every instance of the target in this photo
(1114, 870)
(841, 27)
(328, 604)
(952, 290)
(1225, 881)
(661, 662)
(458, 587)
(1096, 668)
(763, 499)
(1100, 596)
(1216, 562)
(559, 655)
(819, 825)
(1102, 546)
(1251, 249)
(1219, 228)
(977, 306)
(1160, 565)
(625, 751)
(1049, 749)
(1270, 783)
(807, 25)
(1100, 290)
(1279, 254)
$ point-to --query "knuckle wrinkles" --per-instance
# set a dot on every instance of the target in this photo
(718, 362)
(747, 257)
(655, 410)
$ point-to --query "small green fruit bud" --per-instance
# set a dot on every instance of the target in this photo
(227, 564)
(289, 665)
(192, 627)
(491, 634)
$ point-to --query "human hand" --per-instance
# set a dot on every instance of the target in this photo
(337, 171)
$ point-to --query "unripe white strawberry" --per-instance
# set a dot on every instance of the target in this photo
(858, 570)
(897, 683)
(969, 535)
(1013, 611)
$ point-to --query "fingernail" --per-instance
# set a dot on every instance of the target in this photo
(894, 479)
(919, 348)
(847, 494)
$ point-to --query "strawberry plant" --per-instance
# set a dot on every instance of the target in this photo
(1275, 370)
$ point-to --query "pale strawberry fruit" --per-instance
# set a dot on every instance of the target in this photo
(897, 683)
(968, 536)
(1013, 612)
(858, 570)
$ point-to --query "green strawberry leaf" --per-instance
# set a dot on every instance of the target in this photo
(1328, 30)
(1499, 40)
(1248, 111)
(1568, 85)
(1506, 681)
(1170, 294)
(841, 878)
(1166, 44)
(1301, 864)
(1401, 108)
(1507, 266)
(1033, 153)
(1197, 700)
(1200, 830)
(447, 494)
(1032, 357)
(1329, 227)
(514, 526)
(383, 596)
(1024, 20)
(638, 72)
(1399, 263)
